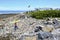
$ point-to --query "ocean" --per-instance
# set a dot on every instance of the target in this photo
(12, 12)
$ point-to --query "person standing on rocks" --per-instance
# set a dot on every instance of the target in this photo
(15, 27)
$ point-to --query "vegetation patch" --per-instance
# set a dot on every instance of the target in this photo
(40, 14)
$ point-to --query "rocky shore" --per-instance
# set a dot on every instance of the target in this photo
(29, 28)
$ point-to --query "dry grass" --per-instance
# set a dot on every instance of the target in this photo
(5, 38)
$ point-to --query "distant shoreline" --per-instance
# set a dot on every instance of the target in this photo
(11, 12)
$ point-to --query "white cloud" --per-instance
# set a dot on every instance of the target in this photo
(15, 8)
(7, 8)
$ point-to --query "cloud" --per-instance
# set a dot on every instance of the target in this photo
(15, 8)
(12, 8)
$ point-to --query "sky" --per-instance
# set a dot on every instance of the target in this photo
(23, 4)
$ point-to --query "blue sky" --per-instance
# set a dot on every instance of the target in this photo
(23, 4)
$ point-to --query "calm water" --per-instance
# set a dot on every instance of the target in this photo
(7, 12)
